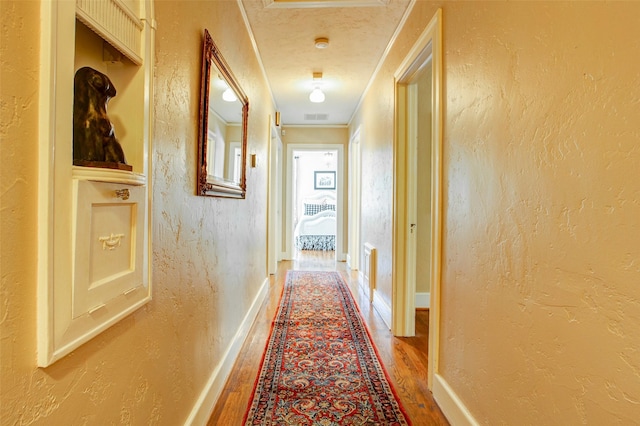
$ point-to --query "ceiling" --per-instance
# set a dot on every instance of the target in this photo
(359, 32)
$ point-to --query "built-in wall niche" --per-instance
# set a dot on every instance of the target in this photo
(123, 110)
(94, 221)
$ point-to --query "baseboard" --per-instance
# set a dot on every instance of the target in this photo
(423, 300)
(349, 261)
(453, 408)
(361, 284)
(383, 309)
(209, 396)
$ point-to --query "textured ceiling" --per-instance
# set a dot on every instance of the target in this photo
(358, 31)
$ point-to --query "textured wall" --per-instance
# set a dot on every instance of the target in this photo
(208, 254)
(375, 121)
(543, 211)
(540, 295)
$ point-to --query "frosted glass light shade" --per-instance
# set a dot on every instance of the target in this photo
(229, 96)
(316, 95)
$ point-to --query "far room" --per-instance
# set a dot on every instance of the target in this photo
(314, 195)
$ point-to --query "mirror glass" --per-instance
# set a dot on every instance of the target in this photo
(222, 145)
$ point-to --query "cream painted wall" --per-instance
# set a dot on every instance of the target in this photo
(318, 135)
(540, 296)
(208, 253)
(315, 135)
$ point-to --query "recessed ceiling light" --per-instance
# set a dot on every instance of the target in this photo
(322, 42)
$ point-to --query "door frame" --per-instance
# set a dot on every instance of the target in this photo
(403, 260)
(355, 200)
(291, 147)
(274, 200)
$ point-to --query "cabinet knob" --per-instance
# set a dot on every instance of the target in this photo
(123, 194)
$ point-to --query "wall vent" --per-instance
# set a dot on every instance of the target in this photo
(316, 117)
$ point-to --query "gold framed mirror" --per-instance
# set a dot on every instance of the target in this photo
(222, 142)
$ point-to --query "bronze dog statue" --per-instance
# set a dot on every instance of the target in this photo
(93, 134)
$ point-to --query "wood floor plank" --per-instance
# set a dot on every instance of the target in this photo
(405, 359)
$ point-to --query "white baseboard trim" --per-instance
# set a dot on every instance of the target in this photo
(209, 396)
(383, 309)
(423, 300)
(361, 284)
(453, 408)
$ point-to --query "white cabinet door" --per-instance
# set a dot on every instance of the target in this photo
(109, 238)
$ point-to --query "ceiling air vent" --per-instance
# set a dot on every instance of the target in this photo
(316, 117)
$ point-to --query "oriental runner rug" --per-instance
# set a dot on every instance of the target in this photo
(320, 366)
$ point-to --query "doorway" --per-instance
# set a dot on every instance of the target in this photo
(311, 181)
(314, 201)
(415, 94)
(418, 188)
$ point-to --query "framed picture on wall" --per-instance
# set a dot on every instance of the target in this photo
(324, 180)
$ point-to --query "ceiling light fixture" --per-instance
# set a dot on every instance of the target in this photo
(322, 42)
(316, 95)
(229, 96)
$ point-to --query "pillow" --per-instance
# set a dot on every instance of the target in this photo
(311, 209)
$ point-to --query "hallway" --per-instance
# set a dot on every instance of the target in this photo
(403, 358)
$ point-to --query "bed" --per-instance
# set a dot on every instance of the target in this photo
(316, 229)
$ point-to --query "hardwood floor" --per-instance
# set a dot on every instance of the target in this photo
(405, 359)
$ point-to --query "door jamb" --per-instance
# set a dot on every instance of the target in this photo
(273, 195)
(355, 199)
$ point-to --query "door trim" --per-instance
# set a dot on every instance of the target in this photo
(355, 199)
(274, 200)
(404, 298)
(291, 147)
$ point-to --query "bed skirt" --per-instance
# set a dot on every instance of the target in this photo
(316, 242)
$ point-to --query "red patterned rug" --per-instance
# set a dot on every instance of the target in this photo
(320, 366)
